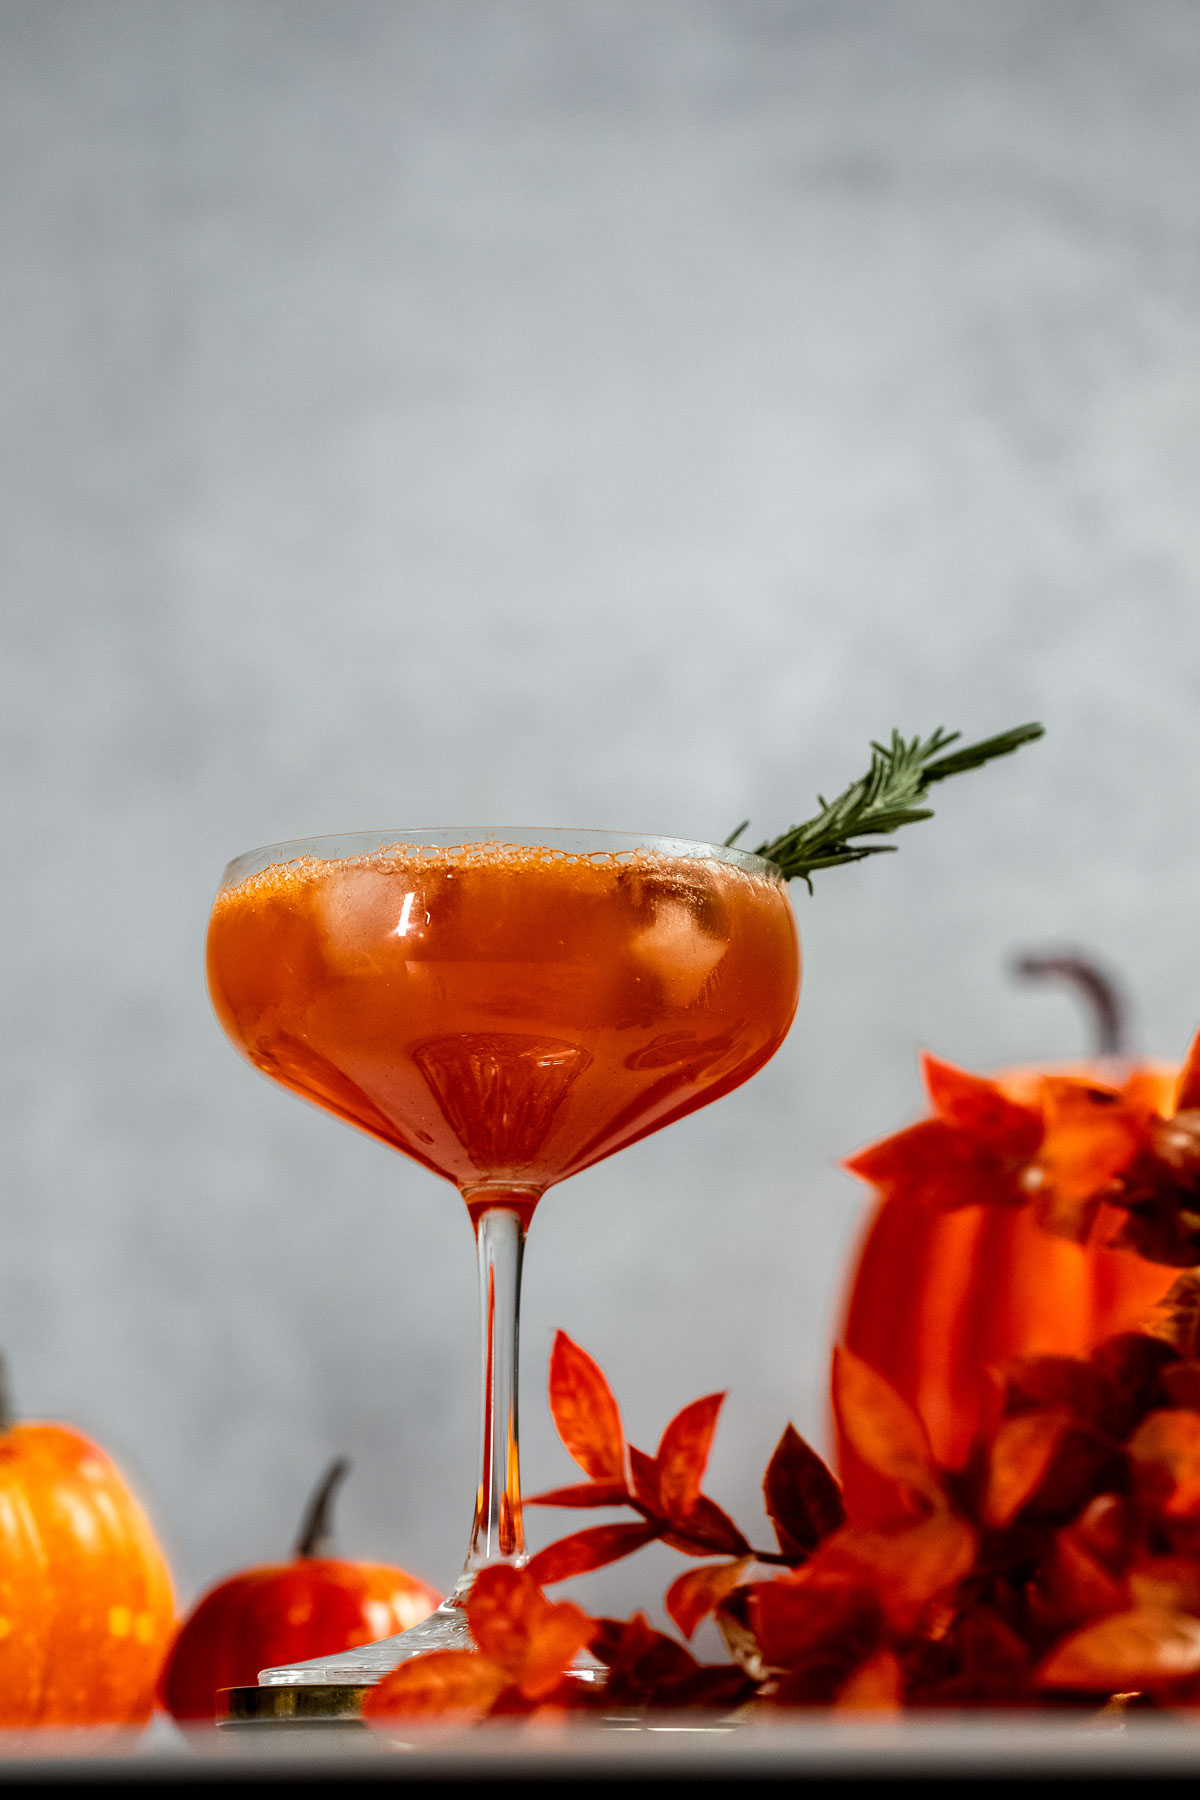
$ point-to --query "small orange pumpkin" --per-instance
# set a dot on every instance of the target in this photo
(86, 1607)
(938, 1299)
(315, 1605)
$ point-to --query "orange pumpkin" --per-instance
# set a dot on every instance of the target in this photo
(86, 1607)
(940, 1298)
(314, 1605)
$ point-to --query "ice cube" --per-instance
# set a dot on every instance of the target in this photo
(678, 951)
(367, 914)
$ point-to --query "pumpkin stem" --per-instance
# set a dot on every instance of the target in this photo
(1105, 1002)
(8, 1412)
(315, 1529)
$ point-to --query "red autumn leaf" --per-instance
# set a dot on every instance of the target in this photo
(975, 1150)
(707, 1531)
(1106, 1528)
(503, 1610)
(644, 1472)
(1091, 1134)
(803, 1501)
(1073, 1585)
(976, 1105)
(565, 1696)
(704, 1530)
(796, 1623)
(1050, 1476)
(1065, 1383)
(638, 1655)
(584, 1493)
(983, 1661)
(907, 1161)
(1176, 1318)
(683, 1455)
(524, 1643)
(440, 1684)
(557, 1641)
(591, 1549)
(1181, 1383)
(1165, 1451)
(714, 1688)
(1159, 1192)
(732, 1620)
(1019, 1456)
(1095, 1134)
(906, 1568)
(875, 1686)
(1140, 1650)
(936, 1165)
(1133, 1362)
(647, 1669)
(1167, 1584)
(521, 1631)
(1187, 1092)
(699, 1592)
(585, 1412)
(813, 1684)
(883, 1428)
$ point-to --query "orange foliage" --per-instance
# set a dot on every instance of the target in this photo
(1053, 1560)
(995, 1237)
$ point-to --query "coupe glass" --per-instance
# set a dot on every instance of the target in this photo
(505, 1007)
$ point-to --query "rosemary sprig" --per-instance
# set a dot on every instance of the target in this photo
(889, 795)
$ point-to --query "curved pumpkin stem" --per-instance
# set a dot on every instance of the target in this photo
(1105, 1002)
(315, 1529)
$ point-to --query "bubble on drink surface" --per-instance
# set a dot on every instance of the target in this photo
(686, 933)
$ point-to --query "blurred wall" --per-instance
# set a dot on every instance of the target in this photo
(423, 411)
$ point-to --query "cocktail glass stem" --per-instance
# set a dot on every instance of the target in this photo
(498, 1534)
(500, 1217)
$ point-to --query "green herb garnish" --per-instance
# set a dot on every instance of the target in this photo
(887, 796)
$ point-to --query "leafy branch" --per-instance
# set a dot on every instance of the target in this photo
(803, 1500)
(889, 795)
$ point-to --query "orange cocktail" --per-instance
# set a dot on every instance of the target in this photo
(506, 1009)
(505, 1014)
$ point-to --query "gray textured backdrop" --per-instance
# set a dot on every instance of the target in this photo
(607, 413)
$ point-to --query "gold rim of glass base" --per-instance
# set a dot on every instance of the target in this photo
(325, 1703)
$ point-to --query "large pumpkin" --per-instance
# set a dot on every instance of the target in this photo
(287, 1612)
(86, 1608)
(939, 1299)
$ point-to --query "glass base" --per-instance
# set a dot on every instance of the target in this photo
(444, 1629)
